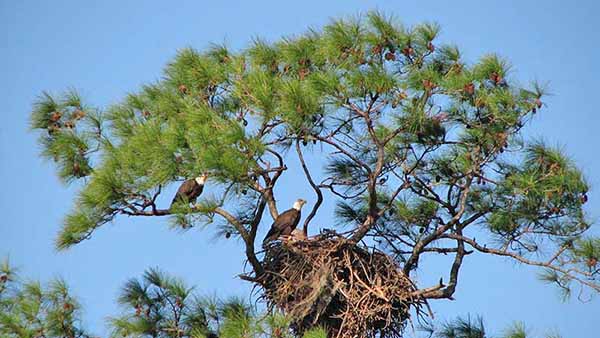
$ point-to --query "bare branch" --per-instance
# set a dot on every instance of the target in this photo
(317, 190)
(449, 290)
(566, 271)
(344, 151)
(247, 237)
(414, 258)
(268, 193)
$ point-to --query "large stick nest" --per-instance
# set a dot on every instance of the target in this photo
(332, 282)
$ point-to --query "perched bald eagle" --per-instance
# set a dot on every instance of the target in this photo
(285, 223)
(189, 190)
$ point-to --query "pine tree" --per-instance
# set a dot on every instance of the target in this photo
(158, 305)
(30, 309)
(426, 153)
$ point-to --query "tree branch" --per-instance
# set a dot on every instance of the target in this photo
(317, 190)
(448, 291)
(248, 238)
(505, 253)
(414, 258)
(268, 193)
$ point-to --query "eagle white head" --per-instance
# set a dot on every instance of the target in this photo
(201, 179)
(299, 204)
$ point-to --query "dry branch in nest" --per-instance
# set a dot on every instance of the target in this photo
(332, 282)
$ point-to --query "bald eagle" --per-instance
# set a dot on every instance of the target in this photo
(189, 190)
(285, 223)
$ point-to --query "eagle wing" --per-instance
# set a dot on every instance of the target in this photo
(184, 192)
(271, 235)
(196, 191)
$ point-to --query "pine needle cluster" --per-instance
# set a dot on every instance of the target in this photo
(30, 309)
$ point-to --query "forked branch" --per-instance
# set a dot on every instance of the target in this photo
(316, 188)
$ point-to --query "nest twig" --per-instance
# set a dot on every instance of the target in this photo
(343, 287)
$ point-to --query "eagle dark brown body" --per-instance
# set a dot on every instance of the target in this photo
(285, 223)
(189, 190)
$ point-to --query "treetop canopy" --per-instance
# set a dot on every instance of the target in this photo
(424, 147)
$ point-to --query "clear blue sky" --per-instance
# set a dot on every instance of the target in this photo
(109, 48)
